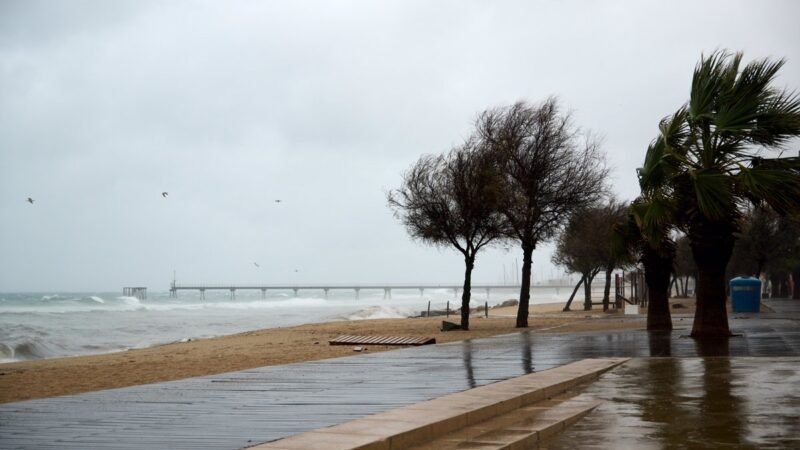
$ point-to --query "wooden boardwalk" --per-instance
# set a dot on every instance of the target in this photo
(238, 409)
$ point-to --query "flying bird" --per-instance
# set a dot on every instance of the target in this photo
(30, 200)
(277, 201)
(164, 194)
(256, 264)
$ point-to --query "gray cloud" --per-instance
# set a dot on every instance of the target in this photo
(229, 106)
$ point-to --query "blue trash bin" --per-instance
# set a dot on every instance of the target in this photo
(745, 294)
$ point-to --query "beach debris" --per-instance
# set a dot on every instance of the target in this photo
(358, 349)
(448, 326)
(381, 340)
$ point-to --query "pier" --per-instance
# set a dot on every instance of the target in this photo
(139, 292)
(357, 288)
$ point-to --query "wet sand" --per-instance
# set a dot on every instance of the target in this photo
(59, 376)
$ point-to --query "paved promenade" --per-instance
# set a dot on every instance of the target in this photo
(240, 409)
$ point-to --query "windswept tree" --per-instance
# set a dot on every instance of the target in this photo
(548, 170)
(763, 239)
(578, 254)
(684, 266)
(647, 233)
(585, 246)
(734, 113)
(450, 200)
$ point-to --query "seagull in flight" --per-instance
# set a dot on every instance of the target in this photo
(30, 200)
(277, 200)
(164, 194)
(256, 264)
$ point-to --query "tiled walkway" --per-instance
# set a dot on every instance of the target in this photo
(239, 409)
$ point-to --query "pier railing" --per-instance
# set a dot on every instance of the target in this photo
(356, 287)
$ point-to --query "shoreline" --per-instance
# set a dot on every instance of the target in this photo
(49, 377)
(31, 379)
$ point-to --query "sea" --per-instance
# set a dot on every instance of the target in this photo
(55, 324)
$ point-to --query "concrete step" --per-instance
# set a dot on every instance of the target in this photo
(524, 428)
(421, 423)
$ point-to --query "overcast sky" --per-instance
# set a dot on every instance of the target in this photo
(231, 105)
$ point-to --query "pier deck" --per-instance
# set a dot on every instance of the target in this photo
(355, 287)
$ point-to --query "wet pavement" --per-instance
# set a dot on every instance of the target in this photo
(692, 403)
(240, 409)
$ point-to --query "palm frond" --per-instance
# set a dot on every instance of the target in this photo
(778, 187)
(712, 190)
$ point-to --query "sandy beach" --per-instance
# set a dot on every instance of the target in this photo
(59, 376)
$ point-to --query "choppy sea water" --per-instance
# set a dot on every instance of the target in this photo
(45, 325)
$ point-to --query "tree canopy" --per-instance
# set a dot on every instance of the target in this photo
(450, 200)
(548, 169)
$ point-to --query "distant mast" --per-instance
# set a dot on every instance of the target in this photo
(172, 291)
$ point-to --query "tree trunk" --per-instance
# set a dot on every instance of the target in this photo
(759, 267)
(571, 297)
(712, 244)
(525, 289)
(685, 287)
(774, 282)
(657, 274)
(607, 289)
(469, 262)
(587, 291)
(796, 283)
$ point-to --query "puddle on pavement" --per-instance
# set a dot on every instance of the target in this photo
(692, 403)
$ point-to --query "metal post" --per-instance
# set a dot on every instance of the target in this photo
(486, 309)
(429, 309)
(448, 308)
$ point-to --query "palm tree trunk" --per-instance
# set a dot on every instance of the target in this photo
(657, 274)
(525, 289)
(571, 297)
(469, 262)
(712, 245)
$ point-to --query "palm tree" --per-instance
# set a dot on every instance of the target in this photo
(704, 161)
(648, 232)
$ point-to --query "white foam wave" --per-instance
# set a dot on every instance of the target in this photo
(381, 312)
(130, 301)
(97, 299)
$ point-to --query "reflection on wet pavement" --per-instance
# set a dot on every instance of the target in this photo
(693, 403)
